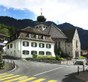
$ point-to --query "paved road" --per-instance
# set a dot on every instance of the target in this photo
(59, 73)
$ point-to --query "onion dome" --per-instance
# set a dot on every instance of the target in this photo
(41, 18)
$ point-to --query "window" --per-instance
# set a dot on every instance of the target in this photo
(41, 45)
(44, 27)
(48, 53)
(11, 45)
(34, 52)
(33, 36)
(40, 36)
(34, 44)
(25, 43)
(14, 44)
(59, 44)
(36, 26)
(76, 43)
(39, 26)
(48, 46)
(41, 52)
(25, 52)
(7, 46)
(68, 45)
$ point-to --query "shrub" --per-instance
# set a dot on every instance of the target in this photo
(62, 58)
(45, 57)
(34, 56)
(82, 57)
(59, 58)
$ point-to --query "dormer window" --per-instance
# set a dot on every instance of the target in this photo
(40, 36)
(33, 35)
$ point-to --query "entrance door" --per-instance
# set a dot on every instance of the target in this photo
(76, 54)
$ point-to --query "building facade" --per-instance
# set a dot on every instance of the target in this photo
(29, 42)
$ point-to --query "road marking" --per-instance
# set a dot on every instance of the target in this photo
(9, 77)
(47, 71)
(39, 80)
(3, 74)
(15, 79)
(52, 81)
(6, 77)
(28, 79)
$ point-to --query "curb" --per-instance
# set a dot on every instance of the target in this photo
(13, 69)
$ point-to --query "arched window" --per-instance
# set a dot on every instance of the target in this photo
(76, 43)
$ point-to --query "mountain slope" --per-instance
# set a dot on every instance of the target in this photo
(9, 21)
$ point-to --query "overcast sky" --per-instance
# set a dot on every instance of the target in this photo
(59, 11)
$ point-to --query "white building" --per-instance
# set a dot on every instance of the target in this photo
(41, 39)
(28, 42)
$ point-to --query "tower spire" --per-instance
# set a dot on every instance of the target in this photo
(41, 11)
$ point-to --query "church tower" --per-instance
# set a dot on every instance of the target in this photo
(41, 22)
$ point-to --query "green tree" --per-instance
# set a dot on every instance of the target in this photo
(7, 30)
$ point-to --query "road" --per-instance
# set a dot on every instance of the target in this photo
(53, 72)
